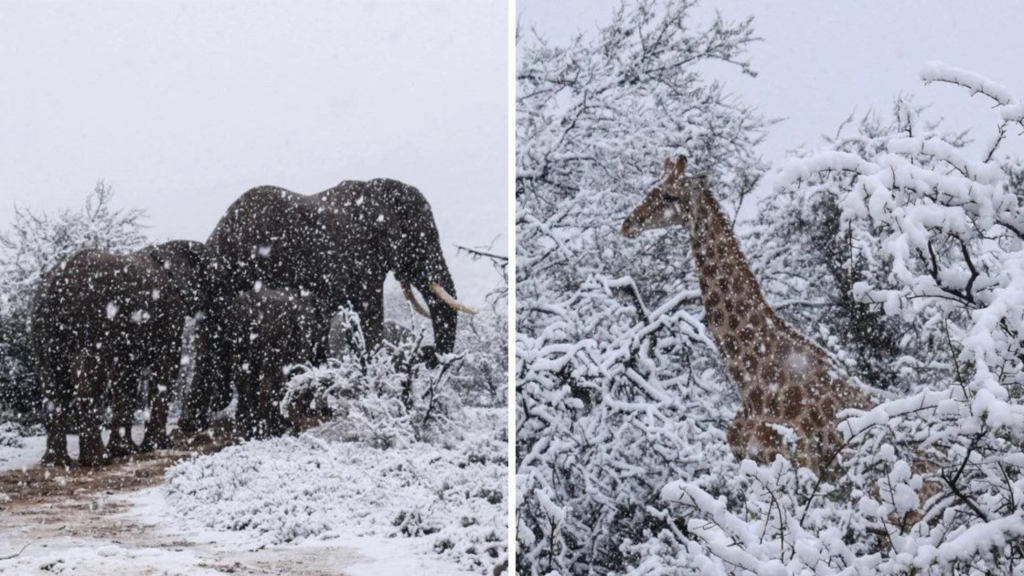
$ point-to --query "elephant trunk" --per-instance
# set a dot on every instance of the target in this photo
(438, 291)
(444, 319)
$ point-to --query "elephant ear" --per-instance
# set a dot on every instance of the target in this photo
(196, 254)
(195, 257)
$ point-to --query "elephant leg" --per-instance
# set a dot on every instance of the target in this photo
(56, 413)
(123, 392)
(371, 317)
(90, 376)
(121, 443)
(164, 373)
(211, 382)
(56, 437)
(271, 422)
(91, 451)
(246, 416)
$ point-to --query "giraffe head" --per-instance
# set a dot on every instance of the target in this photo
(668, 203)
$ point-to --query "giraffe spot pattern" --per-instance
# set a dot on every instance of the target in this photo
(783, 377)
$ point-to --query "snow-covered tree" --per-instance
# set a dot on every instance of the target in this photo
(932, 478)
(613, 399)
(35, 242)
(594, 121)
(809, 258)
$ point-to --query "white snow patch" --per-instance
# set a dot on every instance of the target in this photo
(444, 500)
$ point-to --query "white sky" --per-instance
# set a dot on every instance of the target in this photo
(819, 61)
(183, 106)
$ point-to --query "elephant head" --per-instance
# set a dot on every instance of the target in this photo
(415, 257)
(190, 267)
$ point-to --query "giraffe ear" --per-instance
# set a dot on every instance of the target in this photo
(669, 166)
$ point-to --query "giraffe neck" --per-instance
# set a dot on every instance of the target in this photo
(735, 309)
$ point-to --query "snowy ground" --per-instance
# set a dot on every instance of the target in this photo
(290, 505)
(24, 456)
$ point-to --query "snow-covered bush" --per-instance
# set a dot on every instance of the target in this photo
(480, 378)
(35, 242)
(12, 434)
(932, 480)
(809, 258)
(614, 400)
(386, 399)
(449, 501)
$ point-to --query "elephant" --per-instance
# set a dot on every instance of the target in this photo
(99, 321)
(339, 244)
(268, 332)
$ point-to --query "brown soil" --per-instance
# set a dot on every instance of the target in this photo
(42, 484)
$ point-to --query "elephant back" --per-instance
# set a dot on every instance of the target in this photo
(326, 243)
(128, 298)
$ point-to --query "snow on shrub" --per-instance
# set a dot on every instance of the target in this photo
(387, 398)
(12, 435)
(480, 378)
(452, 499)
(932, 480)
(612, 406)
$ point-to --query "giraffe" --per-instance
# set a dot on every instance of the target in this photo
(784, 379)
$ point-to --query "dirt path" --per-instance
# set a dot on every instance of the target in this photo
(80, 521)
(39, 485)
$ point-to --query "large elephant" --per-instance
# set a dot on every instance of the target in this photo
(339, 244)
(99, 322)
(268, 332)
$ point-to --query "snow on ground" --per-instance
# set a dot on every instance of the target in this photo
(24, 454)
(301, 505)
(128, 534)
(447, 501)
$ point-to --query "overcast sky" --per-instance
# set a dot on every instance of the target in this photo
(183, 106)
(820, 61)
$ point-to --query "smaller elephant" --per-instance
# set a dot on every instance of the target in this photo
(269, 332)
(99, 322)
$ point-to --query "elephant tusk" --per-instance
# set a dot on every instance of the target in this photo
(407, 290)
(447, 299)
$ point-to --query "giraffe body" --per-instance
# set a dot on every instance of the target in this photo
(784, 379)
